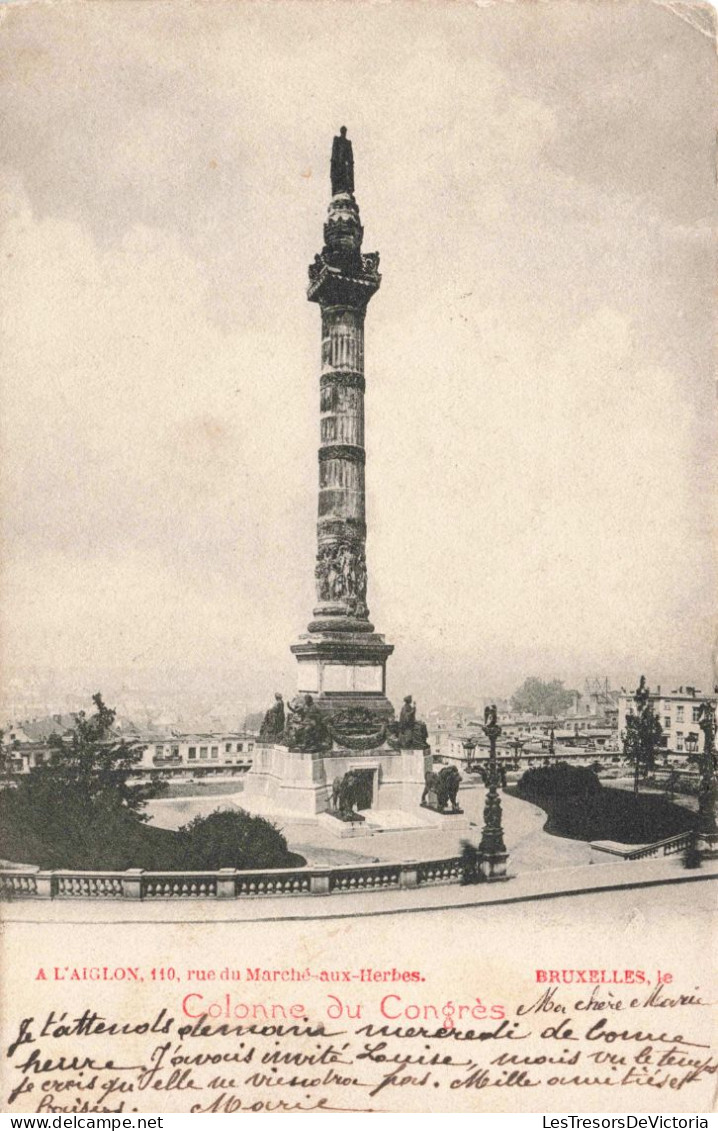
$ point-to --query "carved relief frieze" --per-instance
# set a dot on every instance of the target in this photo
(341, 574)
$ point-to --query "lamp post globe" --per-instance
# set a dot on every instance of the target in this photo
(469, 745)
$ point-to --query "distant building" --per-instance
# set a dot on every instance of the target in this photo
(677, 712)
(528, 744)
(198, 751)
(22, 758)
(597, 701)
(27, 745)
(587, 730)
(33, 731)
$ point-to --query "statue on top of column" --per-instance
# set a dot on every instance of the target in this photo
(342, 167)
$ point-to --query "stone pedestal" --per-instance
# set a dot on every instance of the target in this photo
(284, 782)
(226, 883)
(43, 882)
(446, 820)
(707, 845)
(300, 784)
(493, 866)
(343, 670)
(132, 883)
(343, 830)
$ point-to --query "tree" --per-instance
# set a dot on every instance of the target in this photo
(94, 766)
(557, 781)
(8, 757)
(82, 809)
(536, 697)
(75, 809)
(642, 736)
(232, 839)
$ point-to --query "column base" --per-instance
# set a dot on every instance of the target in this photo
(299, 784)
(344, 671)
(284, 781)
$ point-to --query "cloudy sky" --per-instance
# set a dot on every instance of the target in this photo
(539, 181)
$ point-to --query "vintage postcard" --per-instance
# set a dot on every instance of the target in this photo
(358, 607)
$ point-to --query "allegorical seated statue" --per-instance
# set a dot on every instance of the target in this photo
(421, 735)
(407, 733)
(441, 789)
(272, 727)
(407, 721)
(306, 728)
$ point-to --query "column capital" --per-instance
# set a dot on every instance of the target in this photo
(331, 285)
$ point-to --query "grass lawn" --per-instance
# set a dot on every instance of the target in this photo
(611, 814)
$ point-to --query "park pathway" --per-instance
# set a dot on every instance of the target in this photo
(530, 848)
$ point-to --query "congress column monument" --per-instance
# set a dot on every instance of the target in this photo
(341, 660)
(339, 754)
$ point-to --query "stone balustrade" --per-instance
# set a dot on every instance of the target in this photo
(668, 847)
(14, 884)
(375, 877)
(449, 871)
(227, 883)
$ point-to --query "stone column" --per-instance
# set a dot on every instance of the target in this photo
(342, 661)
(342, 281)
(341, 573)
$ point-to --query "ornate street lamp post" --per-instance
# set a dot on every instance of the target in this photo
(492, 850)
(469, 745)
(517, 745)
(707, 839)
(640, 698)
